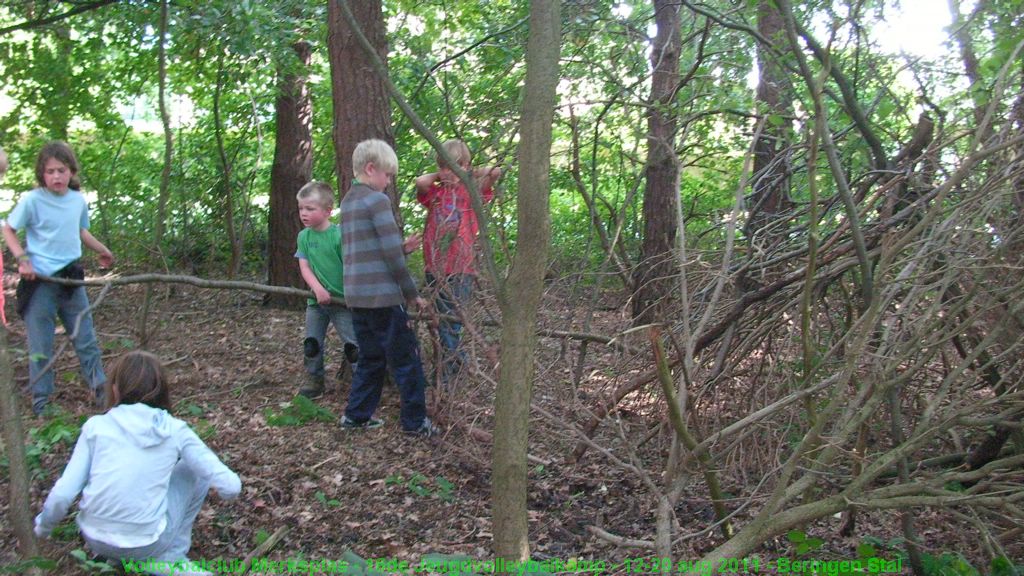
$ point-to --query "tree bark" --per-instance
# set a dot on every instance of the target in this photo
(653, 277)
(362, 109)
(769, 199)
(293, 168)
(159, 228)
(13, 436)
(520, 296)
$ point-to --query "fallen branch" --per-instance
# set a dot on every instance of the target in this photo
(262, 549)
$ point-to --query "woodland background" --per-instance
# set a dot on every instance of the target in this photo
(717, 317)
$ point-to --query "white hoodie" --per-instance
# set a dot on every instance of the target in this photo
(122, 465)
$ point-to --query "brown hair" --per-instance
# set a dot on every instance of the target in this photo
(140, 378)
(62, 152)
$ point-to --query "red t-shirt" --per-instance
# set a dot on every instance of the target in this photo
(451, 228)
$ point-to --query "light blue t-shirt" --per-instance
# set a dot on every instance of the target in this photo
(53, 226)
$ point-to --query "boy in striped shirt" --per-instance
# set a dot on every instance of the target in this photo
(378, 287)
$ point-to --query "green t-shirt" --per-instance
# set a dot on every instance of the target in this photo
(323, 252)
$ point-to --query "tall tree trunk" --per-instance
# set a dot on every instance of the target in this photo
(362, 109)
(160, 225)
(657, 265)
(293, 167)
(774, 101)
(520, 295)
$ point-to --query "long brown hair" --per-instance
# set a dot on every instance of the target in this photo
(62, 152)
(140, 378)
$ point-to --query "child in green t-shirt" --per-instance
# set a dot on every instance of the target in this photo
(319, 254)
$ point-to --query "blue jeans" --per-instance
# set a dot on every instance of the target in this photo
(454, 293)
(48, 302)
(386, 340)
(318, 317)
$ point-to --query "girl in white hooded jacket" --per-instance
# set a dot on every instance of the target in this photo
(143, 474)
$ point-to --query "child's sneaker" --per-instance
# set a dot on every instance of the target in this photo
(426, 429)
(349, 424)
(312, 389)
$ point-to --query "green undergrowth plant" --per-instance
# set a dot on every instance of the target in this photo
(61, 428)
(91, 566)
(421, 486)
(298, 412)
(23, 566)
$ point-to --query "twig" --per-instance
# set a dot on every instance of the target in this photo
(264, 548)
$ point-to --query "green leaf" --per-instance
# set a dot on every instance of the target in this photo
(796, 536)
(865, 550)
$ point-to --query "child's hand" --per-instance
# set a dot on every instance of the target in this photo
(412, 243)
(26, 270)
(323, 297)
(106, 259)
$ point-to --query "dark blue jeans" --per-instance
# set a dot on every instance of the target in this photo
(386, 340)
(454, 293)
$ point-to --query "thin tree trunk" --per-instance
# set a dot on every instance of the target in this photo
(165, 175)
(19, 511)
(657, 267)
(769, 199)
(293, 167)
(225, 167)
(520, 296)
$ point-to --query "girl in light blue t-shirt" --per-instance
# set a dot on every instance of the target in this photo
(55, 218)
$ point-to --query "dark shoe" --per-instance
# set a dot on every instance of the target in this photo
(426, 429)
(312, 389)
(349, 424)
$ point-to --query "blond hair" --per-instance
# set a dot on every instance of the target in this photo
(320, 192)
(457, 150)
(376, 151)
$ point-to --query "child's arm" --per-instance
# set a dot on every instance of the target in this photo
(106, 257)
(424, 186)
(321, 293)
(25, 269)
(486, 177)
(205, 464)
(67, 488)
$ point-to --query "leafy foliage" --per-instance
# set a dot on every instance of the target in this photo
(298, 412)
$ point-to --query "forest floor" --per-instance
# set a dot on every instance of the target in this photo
(378, 493)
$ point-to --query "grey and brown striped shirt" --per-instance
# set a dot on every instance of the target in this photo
(375, 272)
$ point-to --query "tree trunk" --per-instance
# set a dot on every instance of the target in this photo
(657, 265)
(165, 175)
(771, 169)
(293, 167)
(19, 511)
(362, 109)
(520, 296)
(226, 173)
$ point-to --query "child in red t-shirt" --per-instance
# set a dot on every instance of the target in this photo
(448, 241)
